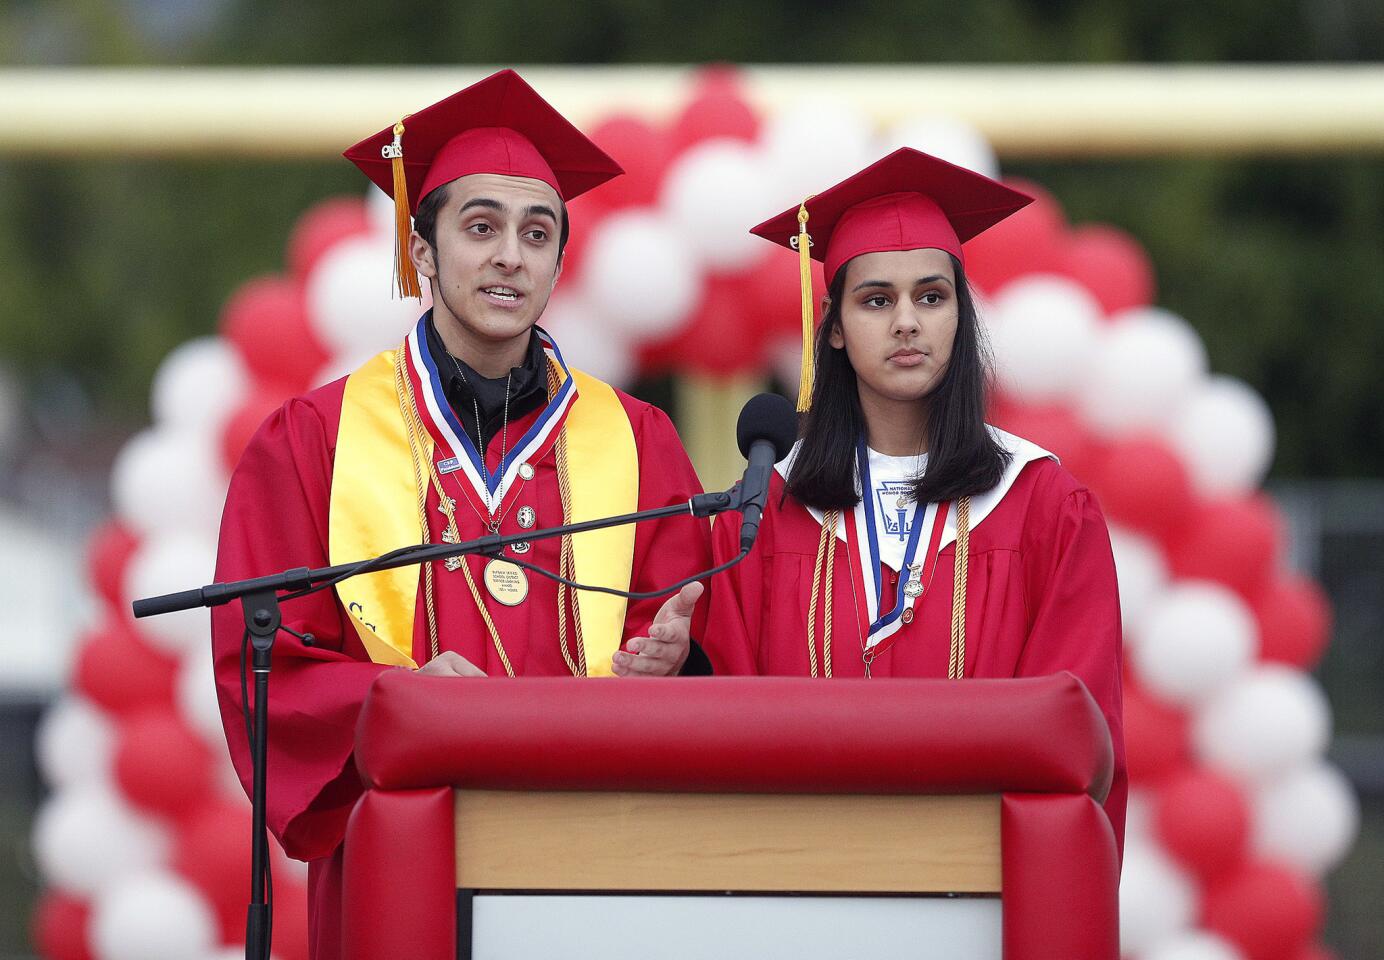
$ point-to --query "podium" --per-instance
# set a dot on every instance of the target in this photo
(576, 818)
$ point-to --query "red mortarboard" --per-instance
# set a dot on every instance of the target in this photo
(906, 201)
(498, 125)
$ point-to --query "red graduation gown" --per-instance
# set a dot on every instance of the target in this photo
(276, 517)
(1041, 598)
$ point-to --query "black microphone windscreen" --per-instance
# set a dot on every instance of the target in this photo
(767, 417)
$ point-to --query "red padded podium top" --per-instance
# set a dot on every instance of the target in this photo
(735, 734)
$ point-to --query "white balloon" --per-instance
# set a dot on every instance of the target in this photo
(950, 138)
(1142, 573)
(195, 695)
(637, 276)
(1224, 433)
(586, 344)
(1146, 361)
(705, 195)
(1267, 722)
(341, 365)
(1194, 945)
(1157, 900)
(808, 147)
(1045, 336)
(153, 916)
(379, 211)
(1140, 810)
(73, 743)
(165, 479)
(1308, 818)
(1194, 638)
(350, 297)
(199, 385)
(86, 839)
(169, 563)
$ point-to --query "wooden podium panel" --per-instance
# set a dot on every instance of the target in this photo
(837, 843)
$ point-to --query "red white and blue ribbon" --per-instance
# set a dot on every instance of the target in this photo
(454, 451)
(884, 607)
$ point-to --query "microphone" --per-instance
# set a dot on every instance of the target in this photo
(765, 432)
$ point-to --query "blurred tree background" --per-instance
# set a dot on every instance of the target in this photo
(106, 265)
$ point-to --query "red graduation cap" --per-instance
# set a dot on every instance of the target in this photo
(498, 125)
(909, 200)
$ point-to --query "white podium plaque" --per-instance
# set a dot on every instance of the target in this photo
(740, 927)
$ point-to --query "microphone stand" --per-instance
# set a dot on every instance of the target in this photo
(260, 598)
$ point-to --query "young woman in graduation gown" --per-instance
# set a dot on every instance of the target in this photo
(903, 537)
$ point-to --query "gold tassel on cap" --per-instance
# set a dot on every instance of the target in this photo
(405, 276)
(803, 243)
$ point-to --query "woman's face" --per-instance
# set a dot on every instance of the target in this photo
(899, 311)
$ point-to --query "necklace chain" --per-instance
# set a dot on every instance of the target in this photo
(492, 521)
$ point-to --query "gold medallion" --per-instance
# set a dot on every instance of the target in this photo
(507, 583)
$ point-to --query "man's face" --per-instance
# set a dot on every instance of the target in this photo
(496, 260)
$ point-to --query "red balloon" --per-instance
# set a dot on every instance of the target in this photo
(323, 227)
(723, 338)
(266, 321)
(59, 927)
(1052, 427)
(1156, 743)
(1143, 485)
(290, 919)
(108, 553)
(583, 214)
(644, 153)
(161, 765)
(1203, 820)
(241, 426)
(1269, 911)
(1031, 241)
(1294, 620)
(213, 851)
(1111, 265)
(717, 109)
(121, 673)
(1232, 541)
(774, 298)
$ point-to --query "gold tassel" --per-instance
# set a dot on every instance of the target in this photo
(804, 245)
(405, 276)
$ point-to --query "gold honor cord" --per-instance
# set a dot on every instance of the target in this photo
(826, 550)
(826, 558)
(956, 666)
(404, 391)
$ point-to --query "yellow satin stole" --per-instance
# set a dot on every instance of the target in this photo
(374, 509)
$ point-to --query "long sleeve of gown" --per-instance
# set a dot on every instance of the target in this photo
(276, 518)
(731, 641)
(672, 548)
(1076, 618)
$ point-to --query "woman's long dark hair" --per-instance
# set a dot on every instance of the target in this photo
(963, 458)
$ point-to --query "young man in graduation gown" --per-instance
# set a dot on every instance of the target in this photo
(903, 537)
(473, 425)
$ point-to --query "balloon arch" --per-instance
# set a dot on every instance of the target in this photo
(1235, 817)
